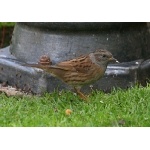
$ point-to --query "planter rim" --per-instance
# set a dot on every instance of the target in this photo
(79, 26)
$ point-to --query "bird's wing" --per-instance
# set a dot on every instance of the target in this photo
(81, 64)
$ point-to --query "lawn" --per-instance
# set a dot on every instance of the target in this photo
(130, 108)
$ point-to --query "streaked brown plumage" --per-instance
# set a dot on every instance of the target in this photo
(80, 71)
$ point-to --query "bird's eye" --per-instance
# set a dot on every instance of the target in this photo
(104, 56)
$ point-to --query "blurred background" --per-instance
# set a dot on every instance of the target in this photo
(6, 30)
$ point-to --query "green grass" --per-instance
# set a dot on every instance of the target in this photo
(129, 108)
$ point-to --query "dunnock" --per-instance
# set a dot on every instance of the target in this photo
(80, 71)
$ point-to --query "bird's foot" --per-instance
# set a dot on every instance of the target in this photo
(81, 95)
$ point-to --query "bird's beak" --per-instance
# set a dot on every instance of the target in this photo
(113, 60)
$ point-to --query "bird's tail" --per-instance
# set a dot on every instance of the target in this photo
(53, 70)
(37, 66)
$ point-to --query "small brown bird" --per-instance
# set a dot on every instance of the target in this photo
(80, 71)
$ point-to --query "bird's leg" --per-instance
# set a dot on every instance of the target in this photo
(82, 96)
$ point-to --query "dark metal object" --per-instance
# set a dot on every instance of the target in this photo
(129, 43)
